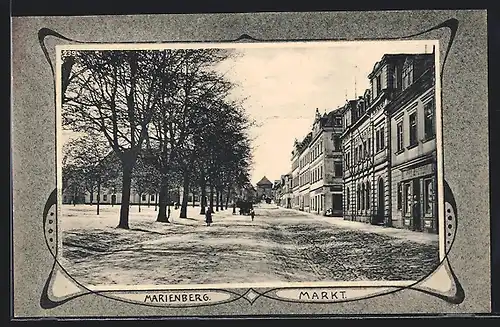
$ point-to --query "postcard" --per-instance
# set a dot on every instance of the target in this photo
(273, 164)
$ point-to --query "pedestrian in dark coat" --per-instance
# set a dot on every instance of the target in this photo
(208, 216)
(252, 213)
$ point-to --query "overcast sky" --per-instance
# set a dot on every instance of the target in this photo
(284, 83)
(284, 86)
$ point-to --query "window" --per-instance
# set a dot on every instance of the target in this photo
(363, 197)
(348, 200)
(382, 139)
(338, 121)
(428, 196)
(395, 77)
(321, 146)
(321, 172)
(368, 146)
(413, 128)
(399, 195)
(152, 197)
(336, 142)
(338, 169)
(429, 126)
(105, 197)
(364, 149)
(407, 75)
(399, 131)
(367, 195)
(358, 198)
(377, 140)
(379, 85)
(143, 197)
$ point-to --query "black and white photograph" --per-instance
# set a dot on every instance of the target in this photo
(274, 164)
(300, 163)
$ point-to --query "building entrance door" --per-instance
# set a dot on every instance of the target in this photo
(113, 199)
(379, 218)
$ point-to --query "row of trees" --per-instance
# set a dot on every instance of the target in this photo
(163, 117)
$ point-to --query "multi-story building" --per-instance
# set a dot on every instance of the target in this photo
(286, 191)
(374, 125)
(316, 176)
(305, 174)
(326, 163)
(295, 195)
(413, 147)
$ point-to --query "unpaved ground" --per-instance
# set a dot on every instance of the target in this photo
(278, 246)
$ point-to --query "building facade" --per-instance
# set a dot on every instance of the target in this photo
(385, 146)
(315, 181)
(413, 142)
(264, 189)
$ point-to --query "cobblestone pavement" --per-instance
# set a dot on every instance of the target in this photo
(278, 246)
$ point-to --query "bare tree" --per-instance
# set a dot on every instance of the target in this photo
(115, 95)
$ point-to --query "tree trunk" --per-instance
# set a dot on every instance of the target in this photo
(162, 211)
(211, 197)
(98, 196)
(185, 193)
(222, 207)
(149, 200)
(194, 202)
(74, 196)
(156, 201)
(140, 198)
(91, 196)
(125, 205)
(228, 196)
(217, 200)
(203, 196)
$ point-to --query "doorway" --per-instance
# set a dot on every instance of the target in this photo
(417, 205)
(113, 199)
(380, 202)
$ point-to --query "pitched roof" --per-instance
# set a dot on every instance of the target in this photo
(264, 181)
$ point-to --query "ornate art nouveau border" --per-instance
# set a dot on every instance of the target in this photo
(442, 282)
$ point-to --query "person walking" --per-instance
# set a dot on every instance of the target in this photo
(208, 216)
(252, 213)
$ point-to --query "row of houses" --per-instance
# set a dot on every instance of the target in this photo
(373, 159)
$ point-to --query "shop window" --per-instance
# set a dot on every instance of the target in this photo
(413, 129)
(399, 131)
(408, 198)
(428, 196)
(429, 122)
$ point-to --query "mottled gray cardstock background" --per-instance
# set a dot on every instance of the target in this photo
(465, 139)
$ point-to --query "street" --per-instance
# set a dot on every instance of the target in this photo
(280, 245)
